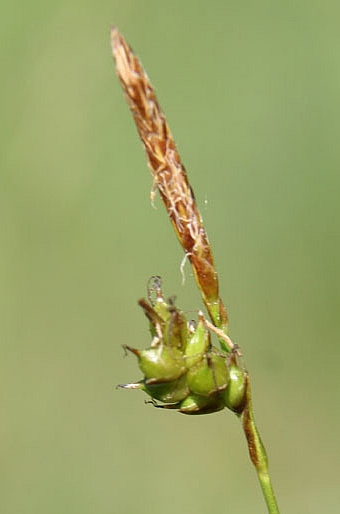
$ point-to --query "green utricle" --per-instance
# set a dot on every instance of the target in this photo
(162, 309)
(162, 363)
(195, 404)
(167, 392)
(209, 375)
(197, 345)
(234, 394)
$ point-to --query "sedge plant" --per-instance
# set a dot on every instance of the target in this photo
(181, 368)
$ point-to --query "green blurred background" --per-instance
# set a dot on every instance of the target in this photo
(252, 94)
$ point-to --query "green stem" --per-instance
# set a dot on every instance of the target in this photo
(258, 454)
(268, 492)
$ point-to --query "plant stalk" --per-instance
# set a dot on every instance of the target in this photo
(170, 178)
(258, 454)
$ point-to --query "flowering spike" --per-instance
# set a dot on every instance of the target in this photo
(169, 174)
(181, 368)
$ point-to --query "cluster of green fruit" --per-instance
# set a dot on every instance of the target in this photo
(182, 368)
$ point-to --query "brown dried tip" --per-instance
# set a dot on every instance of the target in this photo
(169, 174)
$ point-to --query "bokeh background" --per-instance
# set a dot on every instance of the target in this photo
(252, 94)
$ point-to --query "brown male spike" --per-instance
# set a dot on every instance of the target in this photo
(169, 175)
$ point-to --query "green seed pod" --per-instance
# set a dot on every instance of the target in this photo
(197, 344)
(167, 392)
(162, 309)
(235, 394)
(209, 375)
(195, 404)
(160, 364)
